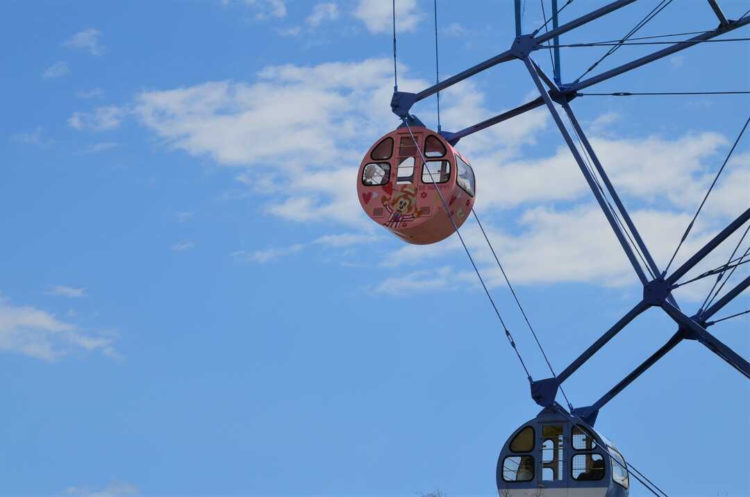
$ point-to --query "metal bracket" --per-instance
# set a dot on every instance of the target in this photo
(522, 46)
(401, 103)
(656, 291)
(544, 391)
(587, 414)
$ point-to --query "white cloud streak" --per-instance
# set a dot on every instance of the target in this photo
(322, 12)
(36, 333)
(101, 119)
(88, 40)
(377, 15)
(115, 489)
(59, 69)
(67, 291)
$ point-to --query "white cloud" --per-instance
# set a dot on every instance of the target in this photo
(115, 489)
(268, 255)
(67, 291)
(101, 147)
(377, 15)
(35, 137)
(428, 280)
(325, 11)
(87, 40)
(182, 246)
(101, 119)
(36, 333)
(59, 69)
(264, 9)
(299, 132)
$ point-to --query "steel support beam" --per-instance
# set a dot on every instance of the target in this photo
(723, 21)
(707, 248)
(586, 173)
(727, 298)
(556, 41)
(602, 341)
(575, 23)
(645, 365)
(691, 329)
(608, 184)
(682, 45)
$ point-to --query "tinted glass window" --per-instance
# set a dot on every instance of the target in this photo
(582, 439)
(588, 467)
(552, 452)
(524, 441)
(376, 174)
(406, 147)
(436, 170)
(383, 151)
(465, 177)
(619, 468)
(406, 170)
(433, 147)
(518, 468)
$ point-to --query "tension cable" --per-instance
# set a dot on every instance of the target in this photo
(710, 188)
(468, 253)
(395, 70)
(660, 93)
(437, 65)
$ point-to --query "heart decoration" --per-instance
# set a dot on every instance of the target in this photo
(367, 196)
(388, 188)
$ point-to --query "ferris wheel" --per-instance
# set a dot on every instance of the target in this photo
(415, 183)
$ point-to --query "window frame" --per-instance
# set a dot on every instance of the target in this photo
(447, 178)
(533, 468)
(588, 433)
(533, 441)
(387, 178)
(473, 176)
(424, 147)
(393, 147)
(614, 454)
(587, 453)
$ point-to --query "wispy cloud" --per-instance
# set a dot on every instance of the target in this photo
(67, 291)
(264, 9)
(115, 489)
(35, 137)
(183, 246)
(101, 119)
(101, 147)
(92, 93)
(322, 12)
(377, 15)
(59, 69)
(88, 40)
(36, 333)
(268, 255)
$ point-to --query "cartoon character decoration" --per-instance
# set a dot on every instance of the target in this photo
(401, 207)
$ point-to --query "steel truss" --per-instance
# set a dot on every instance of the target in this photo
(657, 285)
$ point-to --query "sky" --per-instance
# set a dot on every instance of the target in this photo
(193, 303)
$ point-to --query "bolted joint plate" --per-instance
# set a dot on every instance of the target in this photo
(522, 46)
(656, 291)
(587, 414)
(401, 103)
(544, 391)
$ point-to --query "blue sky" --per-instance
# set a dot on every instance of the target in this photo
(192, 302)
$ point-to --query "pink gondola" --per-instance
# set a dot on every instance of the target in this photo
(397, 190)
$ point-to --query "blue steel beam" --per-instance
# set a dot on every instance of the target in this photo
(682, 45)
(589, 179)
(608, 184)
(556, 41)
(728, 297)
(509, 54)
(602, 341)
(691, 329)
(708, 247)
(645, 365)
(518, 17)
(719, 14)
